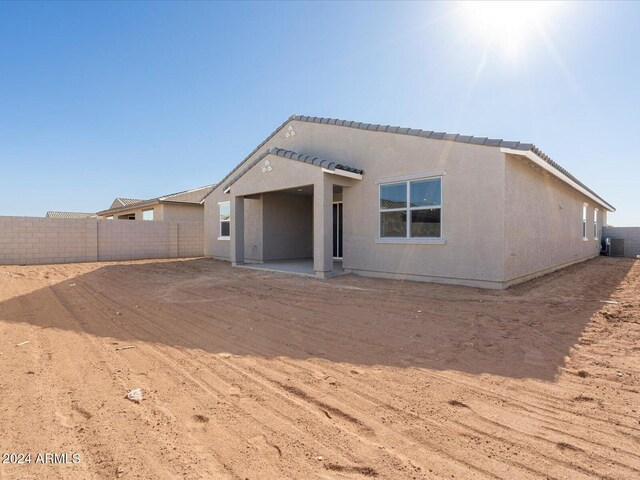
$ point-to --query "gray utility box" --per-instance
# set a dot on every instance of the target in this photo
(617, 247)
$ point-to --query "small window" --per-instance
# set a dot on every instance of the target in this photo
(411, 209)
(225, 220)
(147, 215)
(595, 224)
(110, 217)
(584, 221)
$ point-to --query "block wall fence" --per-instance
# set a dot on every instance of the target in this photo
(34, 240)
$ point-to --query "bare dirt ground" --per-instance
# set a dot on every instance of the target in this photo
(249, 374)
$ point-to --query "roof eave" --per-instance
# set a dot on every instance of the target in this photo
(557, 173)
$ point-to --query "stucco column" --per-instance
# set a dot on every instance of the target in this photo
(237, 230)
(323, 227)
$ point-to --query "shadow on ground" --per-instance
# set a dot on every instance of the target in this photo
(524, 332)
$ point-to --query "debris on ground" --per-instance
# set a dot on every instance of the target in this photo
(127, 347)
(135, 395)
(23, 343)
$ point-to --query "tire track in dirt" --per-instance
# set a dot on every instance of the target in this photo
(121, 306)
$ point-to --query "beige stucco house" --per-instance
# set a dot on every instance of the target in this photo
(187, 205)
(401, 203)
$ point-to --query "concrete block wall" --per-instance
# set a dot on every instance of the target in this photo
(631, 236)
(130, 240)
(32, 240)
(190, 239)
(29, 241)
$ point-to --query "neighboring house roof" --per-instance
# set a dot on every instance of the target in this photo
(388, 204)
(53, 214)
(453, 137)
(124, 202)
(193, 196)
(311, 160)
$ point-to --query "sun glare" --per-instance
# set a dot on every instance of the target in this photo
(508, 27)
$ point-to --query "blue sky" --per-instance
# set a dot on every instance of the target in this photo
(99, 100)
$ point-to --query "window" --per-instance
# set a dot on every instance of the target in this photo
(110, 217)
(225, 220)
(147, 214)
(411, 209)
(584, 221)
(595, 224)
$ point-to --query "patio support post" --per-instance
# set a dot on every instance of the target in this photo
(323, 227)
(237, 231)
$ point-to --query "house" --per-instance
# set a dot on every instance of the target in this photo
(73, 215)
(321, 196)
(185, 205)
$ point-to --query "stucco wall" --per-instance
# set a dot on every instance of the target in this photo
(631, 236)
(287, 226)
(188, 212)
(543, 222)
(32, 240)
(157, 213)
(472, 190)
(501, 220)
(166, 211)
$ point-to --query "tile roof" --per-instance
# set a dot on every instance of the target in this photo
(54, 214)
(124, 202)
(454, 137)
(195, 195)
(311, 160)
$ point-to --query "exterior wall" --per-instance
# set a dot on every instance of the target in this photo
(287, 226)
(543, 223)
(119, 240)
(30, 240)
(631, 236)
(190, 239)
(501, 219)
(471, 222)
(165, 211)
(189, 212)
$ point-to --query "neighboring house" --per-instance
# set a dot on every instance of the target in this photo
(185, 205)
(74, 215)
(402, 203)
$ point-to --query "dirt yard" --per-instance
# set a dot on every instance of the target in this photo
(253, 375)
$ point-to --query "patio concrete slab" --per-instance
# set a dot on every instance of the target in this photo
(302, 267)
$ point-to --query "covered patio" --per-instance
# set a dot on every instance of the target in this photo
(282, 214)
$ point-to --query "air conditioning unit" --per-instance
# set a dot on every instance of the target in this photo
(616, 247)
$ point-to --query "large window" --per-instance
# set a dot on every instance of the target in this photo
(584, 221)
(411, 209)
(225, 220)
(147, 214)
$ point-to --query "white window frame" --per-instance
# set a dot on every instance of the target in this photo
(220, 236)
(408, 239)
(153, 214)
(110, 217)
(584, 221)
(595, 224)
